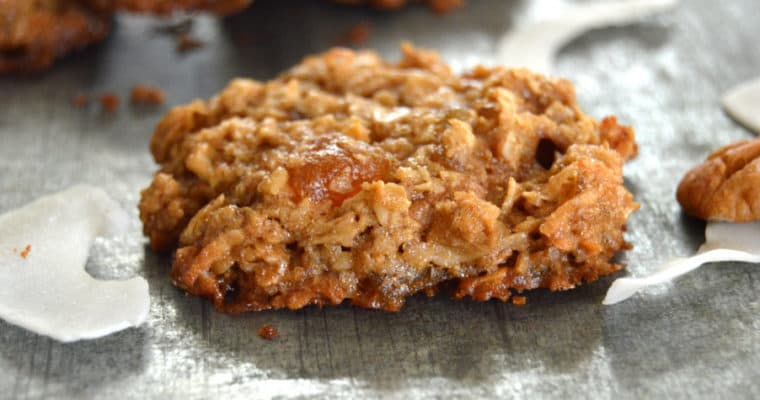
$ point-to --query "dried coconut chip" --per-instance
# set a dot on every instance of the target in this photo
(535, 45)
(742, 103)
(724, 242)
(48, 291)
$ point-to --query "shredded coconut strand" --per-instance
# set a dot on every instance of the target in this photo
(742, 104)
(725, 242)
(535, 45)
(49, 292)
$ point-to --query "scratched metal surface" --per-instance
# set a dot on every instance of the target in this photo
(698, 338)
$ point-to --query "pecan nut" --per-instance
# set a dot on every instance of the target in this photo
(726, 186)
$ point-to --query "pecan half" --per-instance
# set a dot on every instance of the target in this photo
(726, 186)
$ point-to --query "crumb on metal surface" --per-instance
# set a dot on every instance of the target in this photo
(109, 101)
(357, 35)
(80, 100)
(26, 251)
(147, 94)
(186, 42)
(267, 332)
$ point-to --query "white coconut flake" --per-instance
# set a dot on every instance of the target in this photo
(44, 247)
(742, 103)
(535, 45)
(724, 242)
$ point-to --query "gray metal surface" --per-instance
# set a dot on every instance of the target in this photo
(698, 338)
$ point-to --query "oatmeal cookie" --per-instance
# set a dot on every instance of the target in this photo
(352, 178)
(726, 186)
(34, 33)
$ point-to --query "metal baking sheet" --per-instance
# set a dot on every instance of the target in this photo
(697, 338)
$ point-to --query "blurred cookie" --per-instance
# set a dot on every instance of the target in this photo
(34, 33)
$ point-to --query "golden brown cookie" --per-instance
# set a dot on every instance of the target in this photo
(34, 33)
(726, 186)
(352, 178)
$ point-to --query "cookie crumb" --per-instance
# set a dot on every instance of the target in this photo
(186, 43)
(437, 6)
(181, 31)
(80, 100)
(146, 94)
(180, 27)
(357, 35)
(267, 332)
(109, 101)
(26, 251)
(441, 7)
(519, 300)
